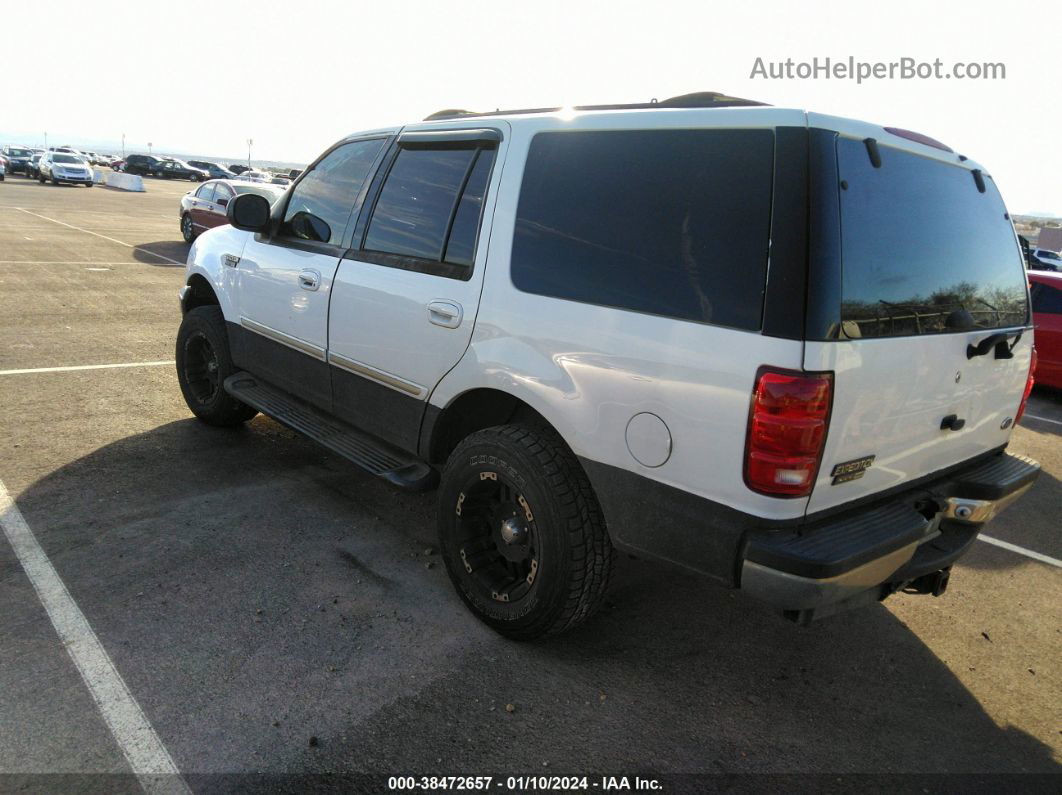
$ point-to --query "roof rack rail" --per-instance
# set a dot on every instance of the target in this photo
(700, 99)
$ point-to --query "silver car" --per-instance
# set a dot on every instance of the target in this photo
(62, 167)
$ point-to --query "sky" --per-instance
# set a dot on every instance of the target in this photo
(295, 77)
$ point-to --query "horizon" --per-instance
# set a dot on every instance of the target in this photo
(315, 88)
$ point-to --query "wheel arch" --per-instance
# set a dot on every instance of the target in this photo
(199, 293)
(473, 410)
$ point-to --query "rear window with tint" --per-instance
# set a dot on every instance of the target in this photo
(665, 222)
(923, 251)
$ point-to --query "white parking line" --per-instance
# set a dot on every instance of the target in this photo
(1041, 419)
(97, 234)
(141, 746)
(1021, 551)
(85, 367)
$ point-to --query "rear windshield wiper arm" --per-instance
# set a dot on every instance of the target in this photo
(997, 341)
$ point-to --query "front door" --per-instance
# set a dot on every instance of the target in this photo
(282, 282)
(404, 301)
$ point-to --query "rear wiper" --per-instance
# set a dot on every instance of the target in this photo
(997, 341)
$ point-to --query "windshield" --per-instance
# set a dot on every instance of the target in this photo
(20, 153)
(67, 159)
(272, 194)
(1049, 255)
(923, 250)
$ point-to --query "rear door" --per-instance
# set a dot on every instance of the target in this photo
(929, 266)
(201, 206)
(223, 194)
(405, 299)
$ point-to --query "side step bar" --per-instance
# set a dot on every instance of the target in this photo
(374, 456)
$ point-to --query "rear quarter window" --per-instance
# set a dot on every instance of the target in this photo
(923, 250)
(665, 222)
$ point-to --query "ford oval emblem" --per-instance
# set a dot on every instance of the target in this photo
(1006, 423)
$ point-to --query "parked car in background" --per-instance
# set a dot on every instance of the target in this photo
(1046, 292)
(62, 167)
(284, 181)
(236, 168)
(256, 176)
(178, 169)
(213, 169)
(205, 207)
(17, 157)
(118, 164)
(294, 173)
(141, 164)
(1045, 260)
(32, 166)
(3, 168)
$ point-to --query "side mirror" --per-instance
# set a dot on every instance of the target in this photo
(249, 212)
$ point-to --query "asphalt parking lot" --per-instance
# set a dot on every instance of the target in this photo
(273, 610)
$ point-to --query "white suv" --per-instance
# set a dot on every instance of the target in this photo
(702, 330)
(64, 167)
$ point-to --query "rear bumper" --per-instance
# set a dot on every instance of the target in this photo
(868, 553)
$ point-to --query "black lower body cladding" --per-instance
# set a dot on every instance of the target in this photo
(893, 538)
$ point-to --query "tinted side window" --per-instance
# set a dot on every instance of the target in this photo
(667, 222)
(417, 201)
(206, 193)
(1046, 299)
(321, 204)
(461, 246)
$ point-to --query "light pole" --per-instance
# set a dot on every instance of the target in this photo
(250, 142)
(123, 146)
(149, 147)
(46, 139)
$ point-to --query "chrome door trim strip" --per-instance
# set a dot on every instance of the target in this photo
(284, 339)
(387, 379)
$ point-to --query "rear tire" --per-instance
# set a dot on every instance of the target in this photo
(203, 364)
(521, 532)
(187, 230)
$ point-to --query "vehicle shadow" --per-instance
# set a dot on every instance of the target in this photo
(255, 590)
(175, 250)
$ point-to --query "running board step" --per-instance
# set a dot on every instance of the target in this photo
(371, 454)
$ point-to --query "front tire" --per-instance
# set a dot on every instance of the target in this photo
(203, 364)
(521, 532)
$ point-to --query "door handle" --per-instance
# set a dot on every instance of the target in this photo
(309, 280)
(447, 314)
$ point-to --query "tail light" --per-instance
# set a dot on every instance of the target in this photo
(787, 429)
(1028, 387)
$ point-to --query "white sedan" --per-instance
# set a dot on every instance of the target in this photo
(255, 176)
